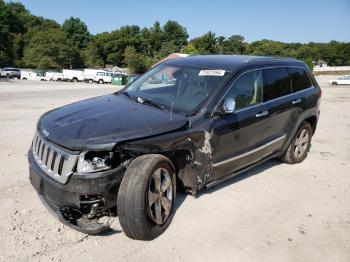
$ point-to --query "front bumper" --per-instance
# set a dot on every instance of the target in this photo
(77, 196)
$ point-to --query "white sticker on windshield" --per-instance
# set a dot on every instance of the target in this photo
(217, 72)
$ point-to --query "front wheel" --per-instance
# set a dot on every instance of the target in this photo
(100, 81)
(300, 146)
(146, 197)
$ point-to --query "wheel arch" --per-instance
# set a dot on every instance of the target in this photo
(311, 118)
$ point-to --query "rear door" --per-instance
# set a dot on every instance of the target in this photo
(280, 103)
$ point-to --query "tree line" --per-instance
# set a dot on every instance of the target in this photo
(30, 41)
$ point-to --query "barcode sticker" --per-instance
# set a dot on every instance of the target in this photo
(217, 72)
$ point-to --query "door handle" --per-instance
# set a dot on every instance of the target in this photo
(296, 101)
(263, 113)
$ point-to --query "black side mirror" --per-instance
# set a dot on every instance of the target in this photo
(229, 105)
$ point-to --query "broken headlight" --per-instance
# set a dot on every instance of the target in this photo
(89, 162)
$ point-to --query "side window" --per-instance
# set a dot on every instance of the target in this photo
(247, 89)
(300, 79)
(276, 83)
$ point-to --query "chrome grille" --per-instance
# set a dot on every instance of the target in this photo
(54, 161)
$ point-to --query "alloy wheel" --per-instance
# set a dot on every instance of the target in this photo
(301, 143)
(160, 196)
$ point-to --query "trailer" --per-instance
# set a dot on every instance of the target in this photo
(73, 75)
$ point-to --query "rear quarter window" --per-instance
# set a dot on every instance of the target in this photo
(276, 83)
(300, 79)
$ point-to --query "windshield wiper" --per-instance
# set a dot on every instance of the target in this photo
(127, 94)
(144, 101)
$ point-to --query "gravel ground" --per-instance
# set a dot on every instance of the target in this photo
(274, 212)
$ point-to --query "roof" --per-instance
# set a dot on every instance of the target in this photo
(226, 62)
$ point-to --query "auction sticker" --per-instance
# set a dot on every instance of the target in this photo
(216, 72)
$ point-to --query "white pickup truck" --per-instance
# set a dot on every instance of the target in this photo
(73, 75)
(31, 75)
(54, 76)
(102, 77)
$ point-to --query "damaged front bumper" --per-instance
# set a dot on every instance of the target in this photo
(82, 201)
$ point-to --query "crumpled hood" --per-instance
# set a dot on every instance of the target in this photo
(101, 122)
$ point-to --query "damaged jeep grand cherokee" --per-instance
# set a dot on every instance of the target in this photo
(187, 123)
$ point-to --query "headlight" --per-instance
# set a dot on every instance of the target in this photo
(89, 162)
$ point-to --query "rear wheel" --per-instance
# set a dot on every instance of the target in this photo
(24, 78)
(300, 146)
(75, 79)
(334, 83)
(146, 197)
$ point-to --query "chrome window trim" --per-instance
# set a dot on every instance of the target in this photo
(249, 152)
(263, 102)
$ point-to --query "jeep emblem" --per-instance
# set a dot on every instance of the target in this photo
(45, 132)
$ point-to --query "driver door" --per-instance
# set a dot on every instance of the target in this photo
(237, 136)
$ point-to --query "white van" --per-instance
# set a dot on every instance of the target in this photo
(73, 75)
(31, 75)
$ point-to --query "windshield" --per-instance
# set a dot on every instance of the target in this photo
(176, 88)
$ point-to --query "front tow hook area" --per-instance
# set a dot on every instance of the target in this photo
(75, 219)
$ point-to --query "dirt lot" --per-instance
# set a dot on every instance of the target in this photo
(275, 212)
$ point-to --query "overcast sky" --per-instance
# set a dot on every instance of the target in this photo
(287, 21)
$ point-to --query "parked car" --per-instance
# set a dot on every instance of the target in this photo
(54, 76)
(10, 72)
(102, 77)
(73, 75)
(345, 80)
(126, 154)
(31, 75)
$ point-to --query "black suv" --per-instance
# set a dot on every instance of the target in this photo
(125, 154)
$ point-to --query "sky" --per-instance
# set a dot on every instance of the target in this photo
(287, 21)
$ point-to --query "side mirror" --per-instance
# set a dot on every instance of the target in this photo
(229, 106)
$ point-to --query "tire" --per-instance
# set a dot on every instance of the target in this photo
(100, 81)
(75, 80)
(8, 76)
(137, 212)
(59, 80)
(334, 83)
(297, 152)
(24, 78)
(91, 81)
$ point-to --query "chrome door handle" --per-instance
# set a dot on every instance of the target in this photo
(296, 101)
(263, 113)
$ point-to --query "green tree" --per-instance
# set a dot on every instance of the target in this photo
(175, 34)
(167, 49)
(234, 45)
(136, 62)
(92, 57)
(49, 49)
(77, 31)
(156, 38)
(267, 48)
(190, 49)
(206, 44)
